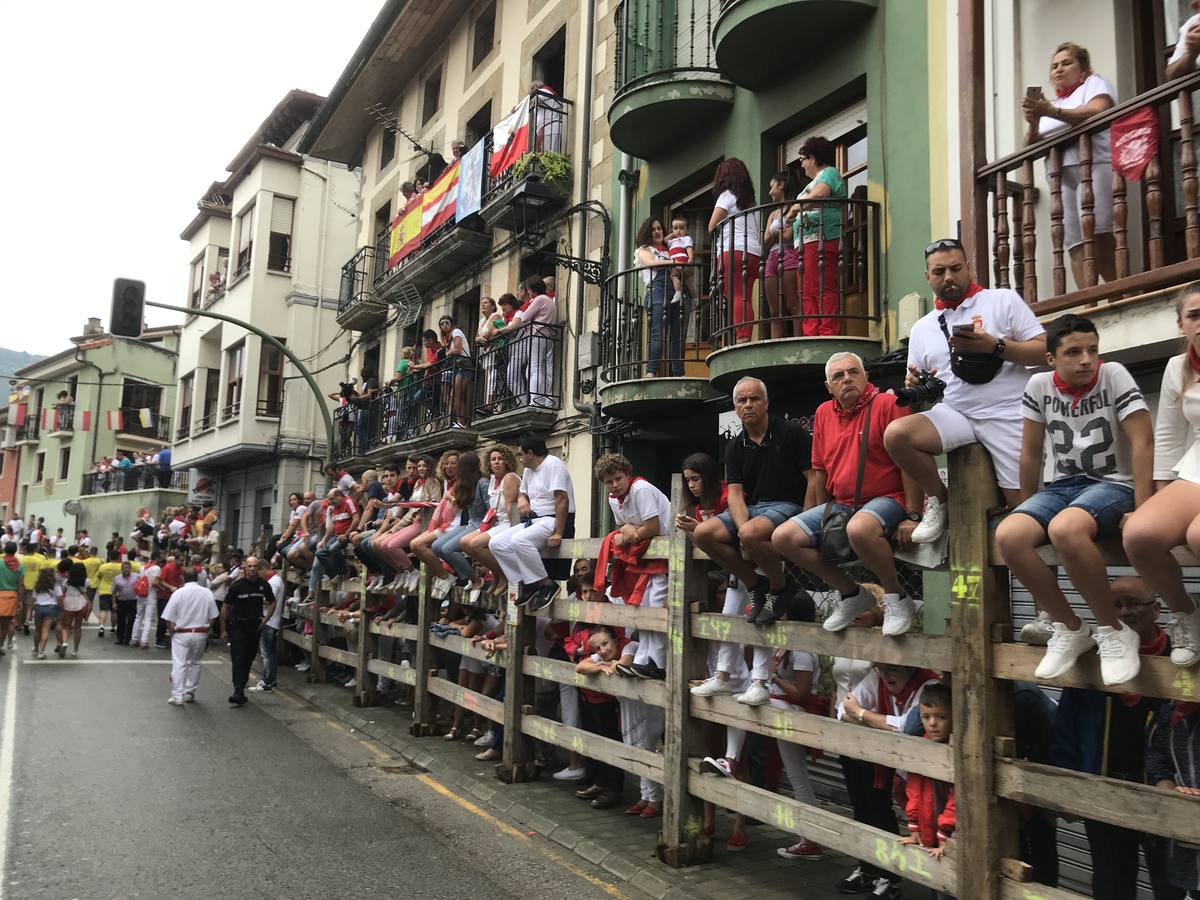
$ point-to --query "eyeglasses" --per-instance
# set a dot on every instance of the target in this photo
(944, 244)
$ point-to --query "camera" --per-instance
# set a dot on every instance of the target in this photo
(927, 389)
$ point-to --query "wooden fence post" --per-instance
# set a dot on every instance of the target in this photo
(681, 842)
(986, 831)
(518, 693)
(364, 694)
(427, 607)
(320, 600)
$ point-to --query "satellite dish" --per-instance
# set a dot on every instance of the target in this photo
(72, 508)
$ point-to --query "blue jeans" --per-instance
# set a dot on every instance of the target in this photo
(373, 560)
(887, 511)
(663, 317)
(1106, 502)
(267, 644)
(777, 511)
(446, 547)
(314, 575)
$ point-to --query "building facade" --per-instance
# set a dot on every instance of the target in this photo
(266, 246)
(10, 459)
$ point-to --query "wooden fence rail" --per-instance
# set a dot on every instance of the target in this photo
(978, 654)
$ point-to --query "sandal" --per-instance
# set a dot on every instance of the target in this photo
(451, 735)
(473, 735)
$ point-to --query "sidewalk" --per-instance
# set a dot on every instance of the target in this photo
(621, 845)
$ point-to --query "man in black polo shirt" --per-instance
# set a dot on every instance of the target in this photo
(241, 621)
(768, 467)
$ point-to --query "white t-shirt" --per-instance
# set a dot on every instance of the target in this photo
(466, 348)
(151, 572)
(18, 527)
(1093, 86)
(679, 246)
(540, 484)
(277, 588)
(192, 606)
(1180, 48)
(84, 541)
(1085, 433)
(743, 234)
(657, 254)
(176, 526)
(847, 673)
(999, 312)
(867, 694)
(643, 502)
(1176, 451)
(791, 662)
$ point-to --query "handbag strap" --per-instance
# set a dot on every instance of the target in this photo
(862, 454)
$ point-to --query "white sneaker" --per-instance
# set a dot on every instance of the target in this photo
(848, 609)
(1119, 659)
(189, 697)
(352, 683)
(174, 702)
(932, 523)
(1064, 647)
(1037, 633)
(755, 695)
(712, 686)
(898, 612)
(74, 654)
(303, 667)
(569, 774)
(1185, 637)
(484, 740)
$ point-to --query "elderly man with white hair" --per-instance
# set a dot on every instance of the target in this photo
(769, 475)
(854, 474)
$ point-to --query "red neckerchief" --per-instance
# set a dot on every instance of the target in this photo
(1159, 645)
(859, 404)
(12, 562)
(972, 289)
(1076, 394)
(630, 574)
(1064, 93)
(1194, 359)
(620, 498)
(884, 704)
(703, 515)
(1182, 710)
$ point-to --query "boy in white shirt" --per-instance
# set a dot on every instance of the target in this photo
(1102, 450)
(681, 247)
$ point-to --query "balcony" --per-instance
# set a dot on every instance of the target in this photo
(156, 431)
(270, 408)
(206, 422)
(136, 478)
(519, 382)
(60, 420)
(441, 254)
(754, 40)
(183, 431)
(1122, 280)
(666, 81)
(359, 307)
(30, 431)
(527, 178)
(653, 361)
(782, 328)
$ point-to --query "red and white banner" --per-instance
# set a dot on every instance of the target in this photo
(1134, 142)
(116, 420)
(437, 203)
(86, 420)
(510, 139)
(49, 419)
(17, 413)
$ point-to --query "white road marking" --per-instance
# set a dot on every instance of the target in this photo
(8, 736)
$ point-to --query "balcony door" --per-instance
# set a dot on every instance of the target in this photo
(847, 129)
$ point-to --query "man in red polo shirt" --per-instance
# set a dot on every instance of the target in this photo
(889, 502)
(169, 579)
(340, 512)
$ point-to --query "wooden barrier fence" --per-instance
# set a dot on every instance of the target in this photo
(978, 653)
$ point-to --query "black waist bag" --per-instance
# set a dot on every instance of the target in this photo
(973, 368)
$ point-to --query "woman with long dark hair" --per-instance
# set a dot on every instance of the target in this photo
(737, 245)
(654, 260)
(783, 298)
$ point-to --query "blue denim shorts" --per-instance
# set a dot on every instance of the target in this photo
(887, 511)
(778, 511)
(1104, 501)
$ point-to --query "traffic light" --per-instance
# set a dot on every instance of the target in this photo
(128, 306)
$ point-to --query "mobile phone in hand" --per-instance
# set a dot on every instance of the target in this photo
(1033, 91)
(964, 330)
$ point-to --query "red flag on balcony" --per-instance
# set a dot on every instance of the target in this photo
(17, 413)
(406, 231)
(437, 203)
(86, 422)
(49, 419)
(510, 139)
(1134, 142)
(116, 420)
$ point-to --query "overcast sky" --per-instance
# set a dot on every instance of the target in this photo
(120, 116)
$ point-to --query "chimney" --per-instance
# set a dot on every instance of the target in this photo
(92, 327)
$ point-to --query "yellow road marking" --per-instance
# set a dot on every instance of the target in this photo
(436, 786)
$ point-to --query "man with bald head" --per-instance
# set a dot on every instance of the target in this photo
(242, 618)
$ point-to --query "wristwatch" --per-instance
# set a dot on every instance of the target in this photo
(1000, 347)
(913, 516)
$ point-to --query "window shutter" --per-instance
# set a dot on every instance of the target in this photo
(282, 209)
(246, 229)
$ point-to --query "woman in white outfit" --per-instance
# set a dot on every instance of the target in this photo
(504, 487)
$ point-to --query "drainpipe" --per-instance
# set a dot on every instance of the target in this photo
(625, 213)
(585, 171)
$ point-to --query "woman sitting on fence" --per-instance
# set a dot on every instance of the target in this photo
(503, 489)
(462, 511)
(393, 547)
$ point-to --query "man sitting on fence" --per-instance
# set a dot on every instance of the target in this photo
(978, 342)
(769, 471)
(1102, 452)
(863, 500)
(340, 512)
(547, 508)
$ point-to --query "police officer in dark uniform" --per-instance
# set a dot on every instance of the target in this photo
(241, 621)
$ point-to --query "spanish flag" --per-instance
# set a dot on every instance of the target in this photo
(437, 203)
(406, 231)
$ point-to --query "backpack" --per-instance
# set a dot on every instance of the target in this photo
(141, 587)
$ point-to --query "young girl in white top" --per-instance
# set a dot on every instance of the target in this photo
(47, 606)
(1172, 516)
(504, 487)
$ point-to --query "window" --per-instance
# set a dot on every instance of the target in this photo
(73, 386)
(263, 499)
(387, 148)
(479, 125)
(186, 386)
(270, 381)
(383, 217)
(39, 467)
(196, 294)
(550, 62)
(234, 362)
(485, 36)
(216, 286)
(211, 385)
(279, 248)
(235, 519)
(432, 96)
(64, 463)
(245, 241)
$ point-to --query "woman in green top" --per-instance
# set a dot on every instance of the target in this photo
(819, 228)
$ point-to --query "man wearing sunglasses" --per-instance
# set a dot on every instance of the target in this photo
(979, 341)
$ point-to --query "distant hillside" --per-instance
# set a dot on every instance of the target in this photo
(11, 360)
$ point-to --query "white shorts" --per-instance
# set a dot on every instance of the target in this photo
(1000, 437)
(1101, 203)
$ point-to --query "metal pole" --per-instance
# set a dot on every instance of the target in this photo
(278, 345)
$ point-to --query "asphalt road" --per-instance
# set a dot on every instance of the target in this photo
(108, 791)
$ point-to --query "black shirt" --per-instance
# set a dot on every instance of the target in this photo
(774, 469)
(248, 599)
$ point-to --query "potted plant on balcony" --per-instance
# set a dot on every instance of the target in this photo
(545, 166)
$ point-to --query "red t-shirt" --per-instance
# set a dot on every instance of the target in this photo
(171, 574)
(835, 444)
(343, 515)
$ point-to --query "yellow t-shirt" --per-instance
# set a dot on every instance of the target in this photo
(33, 563)
(107, 572)
(92, 564)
